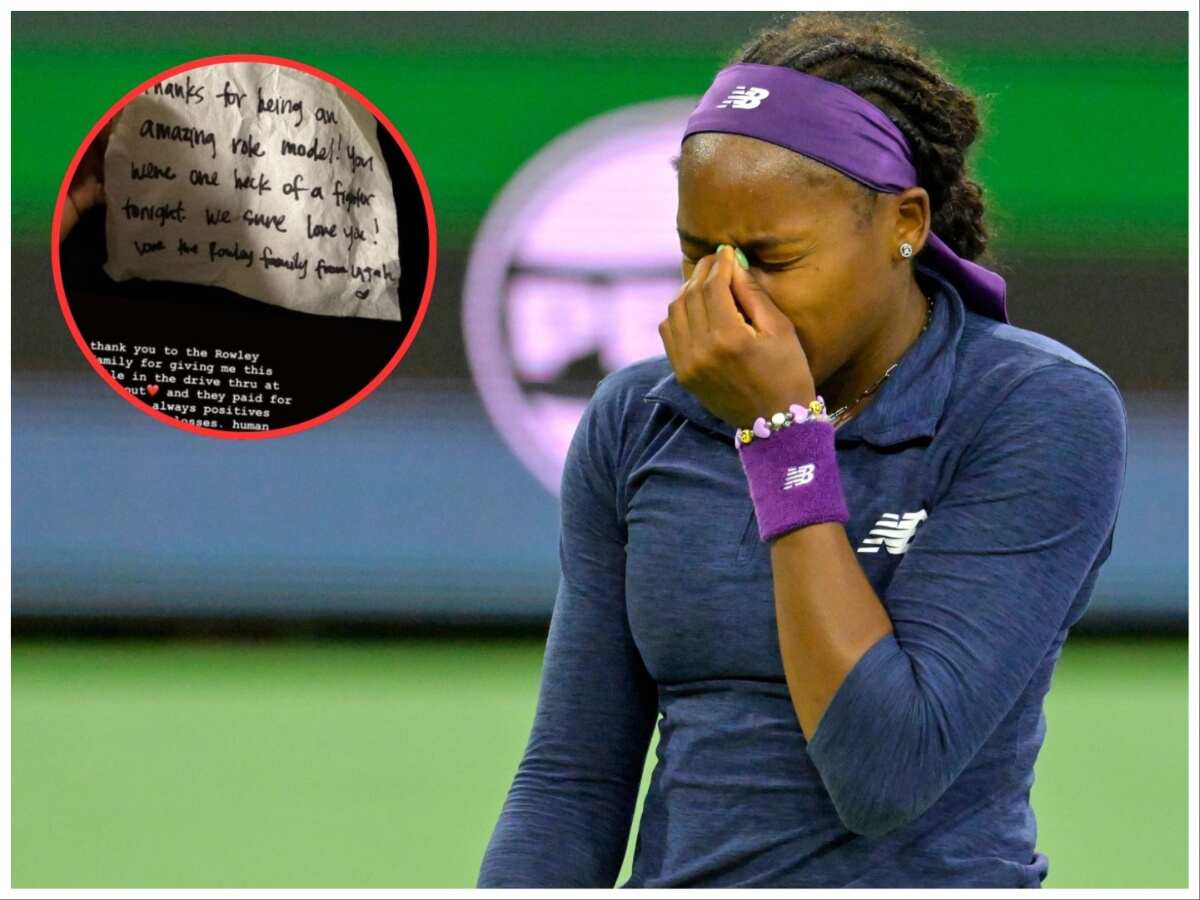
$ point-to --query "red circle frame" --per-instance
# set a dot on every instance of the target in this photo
(56, 263)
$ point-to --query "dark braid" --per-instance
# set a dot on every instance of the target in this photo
(872, 57)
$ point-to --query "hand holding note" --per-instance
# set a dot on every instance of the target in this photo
(87, 184)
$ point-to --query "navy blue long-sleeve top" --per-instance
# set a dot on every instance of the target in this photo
(983, 483)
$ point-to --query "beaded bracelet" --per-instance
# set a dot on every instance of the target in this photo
(764, 428)
(793, 479)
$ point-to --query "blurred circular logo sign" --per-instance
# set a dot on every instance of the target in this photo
(570, 274)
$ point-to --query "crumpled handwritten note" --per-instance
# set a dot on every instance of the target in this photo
(258, 178)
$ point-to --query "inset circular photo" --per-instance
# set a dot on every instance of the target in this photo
(244, 246)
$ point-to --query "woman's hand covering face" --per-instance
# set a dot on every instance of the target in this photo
(731, 346)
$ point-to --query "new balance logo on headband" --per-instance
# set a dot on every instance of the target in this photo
(743, 97)
(892, 532)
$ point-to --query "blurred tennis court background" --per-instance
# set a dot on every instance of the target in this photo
(381, 759)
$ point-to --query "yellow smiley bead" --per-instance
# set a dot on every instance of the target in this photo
(745, 434)
(816, 407)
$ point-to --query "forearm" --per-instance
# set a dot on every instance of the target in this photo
(826, 612)
(893, 715)
(556, 831)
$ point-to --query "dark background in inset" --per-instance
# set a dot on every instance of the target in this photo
(319, 361)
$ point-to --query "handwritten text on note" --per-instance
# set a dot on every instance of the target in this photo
(258, 178)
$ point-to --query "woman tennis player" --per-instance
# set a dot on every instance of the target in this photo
(837, 535)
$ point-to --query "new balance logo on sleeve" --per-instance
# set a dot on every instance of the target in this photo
(797, 475)
(893, 532)
(743, 97)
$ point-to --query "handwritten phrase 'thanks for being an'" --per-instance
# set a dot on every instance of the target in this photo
(189, 92)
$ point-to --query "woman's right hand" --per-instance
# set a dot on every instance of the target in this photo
(87, 186)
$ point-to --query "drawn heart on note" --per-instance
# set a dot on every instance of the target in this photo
(362, 295)
(152, 389)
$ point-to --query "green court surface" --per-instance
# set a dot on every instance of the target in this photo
(384, 764)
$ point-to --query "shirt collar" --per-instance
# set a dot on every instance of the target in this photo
(909, 403)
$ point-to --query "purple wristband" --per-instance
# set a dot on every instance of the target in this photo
(794, 479)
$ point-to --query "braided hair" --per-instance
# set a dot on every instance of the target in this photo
(874, 58)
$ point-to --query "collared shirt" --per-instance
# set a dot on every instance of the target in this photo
(983, 483)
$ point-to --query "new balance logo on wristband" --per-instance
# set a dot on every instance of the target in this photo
(743, 97)
(893, 532)
(797, 475)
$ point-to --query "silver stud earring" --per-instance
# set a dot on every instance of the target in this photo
(906, 249)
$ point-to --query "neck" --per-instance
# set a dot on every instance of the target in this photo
(890, 340)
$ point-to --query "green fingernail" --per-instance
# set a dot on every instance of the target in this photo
(741, 258)
(720, 247)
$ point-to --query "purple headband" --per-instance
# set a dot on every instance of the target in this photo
(835, 126)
